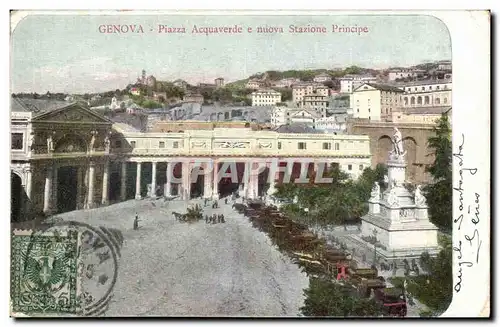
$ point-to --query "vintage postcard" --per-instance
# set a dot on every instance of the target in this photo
(250, 164)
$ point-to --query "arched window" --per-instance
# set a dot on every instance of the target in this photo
(426, 99)
(437, 100)
(419, 100)
(406, 101)
(412, 101)
(445, 100)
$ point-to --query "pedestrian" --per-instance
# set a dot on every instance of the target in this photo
(205, 203)
(136, 222)
(222, 218)
(214, 219)
(206, 219)
(225, 200)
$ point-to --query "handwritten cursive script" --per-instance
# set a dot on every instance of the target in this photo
(469, 215)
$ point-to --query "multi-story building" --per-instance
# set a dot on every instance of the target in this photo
(135, 91)
(180, 83)
(315, 101)
(444, 65)
(193, 97)
(303, 89)
(304, 116)
(422, 115)
(321, 78)
(219, 82)
(332, 124)
(375, 101)
(430, 93)
(151, 81)
(349, 83)
(254, 84)
(279, 116)
(265, 98)
(286, 82)
(395, 74)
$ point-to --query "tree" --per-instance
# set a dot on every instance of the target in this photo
(439, 194)
(325, 298)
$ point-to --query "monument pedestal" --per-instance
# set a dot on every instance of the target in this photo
(397, 224)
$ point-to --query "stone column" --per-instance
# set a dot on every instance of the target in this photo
(215, 181)
(47, 195)
(246, 181)
(90, 198)
(138, 182)
(80, 188)
(54, 189)
(254, 187)
(153, 179)
(29, 178)
(168, 184)
(272, 179)
(186, 182)
(123, 186)
(207, 192)
(105, 181)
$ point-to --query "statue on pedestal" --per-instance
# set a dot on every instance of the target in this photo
(397, 140)
(420, 199)
(392, 199)
(375, 195)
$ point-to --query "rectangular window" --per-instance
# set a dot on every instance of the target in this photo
(327, 146)
(301, 145)
(337, 146)
(279, 145)
(132, 144)
(176, 144)
(17, 141)
(349, 167)
(360, 167)
(161, 145)
(118, 144)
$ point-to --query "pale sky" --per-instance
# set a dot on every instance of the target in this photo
(69, 54)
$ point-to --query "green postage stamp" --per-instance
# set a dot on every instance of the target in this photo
(44, 273)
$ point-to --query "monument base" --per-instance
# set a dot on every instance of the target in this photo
(399, 240)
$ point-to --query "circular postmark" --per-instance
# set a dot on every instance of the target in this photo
(90, 272)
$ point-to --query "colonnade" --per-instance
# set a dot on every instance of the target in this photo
(209, 170)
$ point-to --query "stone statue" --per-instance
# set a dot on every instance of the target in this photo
(92, 141)
(31, 141)
(50, 144)
(398, 141)
(375, 195)
(392, 199)
(419, 197)
(107, 143)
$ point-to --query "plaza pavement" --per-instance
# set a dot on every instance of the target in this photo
(169, 268)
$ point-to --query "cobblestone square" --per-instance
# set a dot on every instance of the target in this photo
(169, 268)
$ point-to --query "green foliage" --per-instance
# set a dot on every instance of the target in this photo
(150, 104)
(325, 298)
(441, 149)
(353, 70)
(338, 202)
(439, 194)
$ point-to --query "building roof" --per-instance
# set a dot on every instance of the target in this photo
(423, 82)
(122, 127)
(37, 106)
(382, 87)
(313, 113)
(296, 128)
(424, 110)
